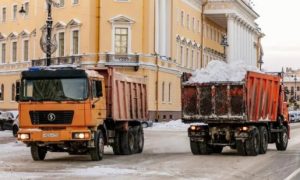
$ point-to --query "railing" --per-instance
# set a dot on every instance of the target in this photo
(58, 61)
(131, 60)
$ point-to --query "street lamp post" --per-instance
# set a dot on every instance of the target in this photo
(47, 46)
(49, 32)
(260, 62)
(295, 79)
(224, 43)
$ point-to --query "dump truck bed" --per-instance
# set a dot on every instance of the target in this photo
(252, 100)
(126, 96)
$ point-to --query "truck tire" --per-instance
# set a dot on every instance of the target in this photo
(264, 139)
(127, 142)
(282, 140)
(240, 146)
(195, 147)
(139, 139)
(116, 146)
(38, 153)
(204, 148)
(98, 151)
(252, 144)
(1, 126)
(15, 130)
(217, 149)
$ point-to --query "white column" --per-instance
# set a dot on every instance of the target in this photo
(239, 40)
(236, 47)
(244, 43)
(247, 46)
(230, 33)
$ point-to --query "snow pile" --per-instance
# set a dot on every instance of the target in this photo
(171, 125)
(218, 70)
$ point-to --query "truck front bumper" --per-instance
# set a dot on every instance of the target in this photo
(39, 135)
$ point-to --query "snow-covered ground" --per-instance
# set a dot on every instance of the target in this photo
(174, 125)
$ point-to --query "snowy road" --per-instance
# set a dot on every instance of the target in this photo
(166, 156)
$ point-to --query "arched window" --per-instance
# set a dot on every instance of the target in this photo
(163, 92)
(13, 92)
(2, 92)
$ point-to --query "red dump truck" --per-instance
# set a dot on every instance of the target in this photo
(78, 111)
(244, 115)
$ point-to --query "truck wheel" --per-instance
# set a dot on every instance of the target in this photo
(1, 126)
(139, 139)
(116, 145)
(282, 140)
(217, 149)
(15, 130)
(263, 140)
(38, 153)
(204, 148)
(240, 146)
(252, 144)
(98, 151)
(127, 142)
(195, 147)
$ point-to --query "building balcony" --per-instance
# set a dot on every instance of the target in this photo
(122, 60)
(67, 60)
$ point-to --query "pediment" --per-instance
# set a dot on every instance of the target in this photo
(2, 36)
(24, 33)
(13, 35)
(74, 23)
(122, 19)
(59, 25)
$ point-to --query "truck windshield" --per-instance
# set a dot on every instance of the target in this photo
(54, 89)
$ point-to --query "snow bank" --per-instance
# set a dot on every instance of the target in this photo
(218, 70)
(171, 125)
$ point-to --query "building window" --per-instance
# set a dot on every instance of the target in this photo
(61, 3)
(170, 86)
(3, 14)
(182, 19)
(26, 50)
(187, 57)
(3, 53)
(14, 51)
(26, 7)
(61, 44)
(15, 11)
(75, 44)
(121, 40)
(188, 21)
(2, 92)
(192, 60)
(198, 60)
(75, 1)
(198, 26)
(181, 55)
(163, 92)
(13, 92)
(193, 24)
(298, 98)
(292, 89)
(298, 88)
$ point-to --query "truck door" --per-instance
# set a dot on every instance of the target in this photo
(98, 103)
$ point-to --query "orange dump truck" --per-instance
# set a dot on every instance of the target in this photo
(244, 115)
(80, 111)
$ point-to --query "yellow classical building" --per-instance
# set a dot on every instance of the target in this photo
(155, 39)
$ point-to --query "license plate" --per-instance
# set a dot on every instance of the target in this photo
(50, 135)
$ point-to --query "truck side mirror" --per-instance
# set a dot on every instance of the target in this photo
(99, 88)
(18, 85)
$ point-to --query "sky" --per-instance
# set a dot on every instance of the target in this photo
(279, 22)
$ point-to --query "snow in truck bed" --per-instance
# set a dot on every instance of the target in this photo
(217, 71)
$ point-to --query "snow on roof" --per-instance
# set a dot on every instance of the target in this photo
(218, 71)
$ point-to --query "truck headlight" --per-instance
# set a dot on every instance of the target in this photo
(81, 135)
(24, 136)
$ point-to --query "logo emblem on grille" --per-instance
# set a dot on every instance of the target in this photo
(51, 117)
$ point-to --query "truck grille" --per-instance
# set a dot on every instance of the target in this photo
(51, 117)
